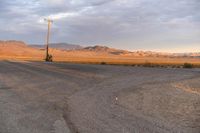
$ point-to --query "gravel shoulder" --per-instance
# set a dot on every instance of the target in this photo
(38, 97)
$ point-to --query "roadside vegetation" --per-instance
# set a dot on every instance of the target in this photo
(103, 63)
(149, 64)
(188, 65)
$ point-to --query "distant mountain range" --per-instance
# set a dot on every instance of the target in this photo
(20, 48)
(61, 46)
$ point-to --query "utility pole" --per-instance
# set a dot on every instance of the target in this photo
(48, 56)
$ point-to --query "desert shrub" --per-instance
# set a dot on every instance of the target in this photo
(175, 66)
(159, 65)
(148, 64)
(103, 63)
(187, 65)
(134, 65)
(197, 66)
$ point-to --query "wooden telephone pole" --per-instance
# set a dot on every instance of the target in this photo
(48, 56)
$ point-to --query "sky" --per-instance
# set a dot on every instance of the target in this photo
(156, 25)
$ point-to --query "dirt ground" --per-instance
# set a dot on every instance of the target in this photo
(37, 97)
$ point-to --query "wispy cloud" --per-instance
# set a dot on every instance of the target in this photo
(58, 16)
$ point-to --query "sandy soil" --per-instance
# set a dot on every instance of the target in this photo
(38, 97)
(21, 51)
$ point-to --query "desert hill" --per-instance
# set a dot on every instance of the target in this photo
(16, 48)
(104, 49)
(92, 54)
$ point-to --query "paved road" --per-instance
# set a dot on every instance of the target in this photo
(70, 98)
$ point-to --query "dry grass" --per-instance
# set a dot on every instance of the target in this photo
(134, 61)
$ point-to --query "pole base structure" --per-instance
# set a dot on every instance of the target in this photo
(49, 58)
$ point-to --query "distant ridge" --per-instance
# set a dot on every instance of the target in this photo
(12, 42)
(113, 51)
(20, 48)
(60, 46)
(97, 48)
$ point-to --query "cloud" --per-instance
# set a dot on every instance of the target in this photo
(129, 24)
(58, 16)
(54, 2)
